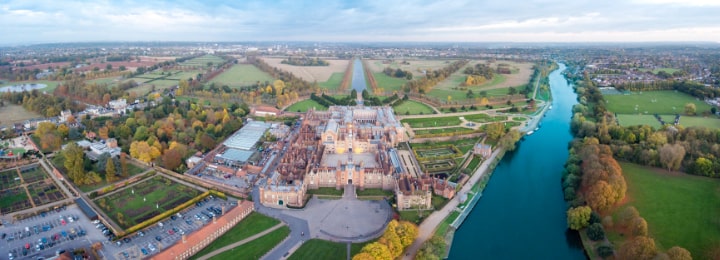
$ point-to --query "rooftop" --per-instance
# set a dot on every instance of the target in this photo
(247, 136)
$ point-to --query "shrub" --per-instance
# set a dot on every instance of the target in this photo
(596, 232)
(605, 251)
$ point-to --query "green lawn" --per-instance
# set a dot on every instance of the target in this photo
(374, 192)
(680, 209)
(304, 105)
(389, 83)
(444, 130)
(484, 118)
(655, 71)
(414, 216)
(251, 225)
(653, 102)
(411, 107)
(326, 191)
(473, 163)
(443, 227)
(256, 248)
(686, 121)
(242, 75)
(432, 121)
(333, 82)
(317, 249)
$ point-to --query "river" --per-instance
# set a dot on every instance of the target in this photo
(521, 214)
(358, 82)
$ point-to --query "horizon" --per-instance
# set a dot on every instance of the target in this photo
(551, 22)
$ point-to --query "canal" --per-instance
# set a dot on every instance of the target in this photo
(521, 214)
(358, 82)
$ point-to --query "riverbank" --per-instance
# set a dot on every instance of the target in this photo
(430, 224)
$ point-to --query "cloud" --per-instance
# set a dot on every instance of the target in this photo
(373, 20)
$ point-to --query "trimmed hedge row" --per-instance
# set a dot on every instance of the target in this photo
(165, 214)
(457, 153)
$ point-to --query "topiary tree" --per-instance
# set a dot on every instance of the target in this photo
(605, 251)
(596, 232)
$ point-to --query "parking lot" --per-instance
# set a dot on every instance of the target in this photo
(155, 238)
(45, 234)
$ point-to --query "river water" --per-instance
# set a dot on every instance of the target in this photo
(358, 78)
(521, 214)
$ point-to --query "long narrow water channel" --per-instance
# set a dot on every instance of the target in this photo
(521, 214)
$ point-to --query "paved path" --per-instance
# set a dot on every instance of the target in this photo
(297, 228)
(427, 228)
(241, 242)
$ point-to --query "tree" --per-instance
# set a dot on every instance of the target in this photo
(600, 196)
(638, 227)
(142, 151)
(690, 109)
(704, 167)
(123, 166)
(109, 168)
(407, 232)
(363, 256)
(639, 248)
(433, 249)
(671, 156)
(73, 155)
(508, 140)
(595, 232)
(377, 250)
(628, 215)
(605, 251)
(579, 217)
(495, 130)
(679, 253)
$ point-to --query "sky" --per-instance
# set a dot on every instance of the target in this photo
(49, 21)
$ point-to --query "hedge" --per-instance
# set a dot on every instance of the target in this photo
(164, 215)
(218, 194)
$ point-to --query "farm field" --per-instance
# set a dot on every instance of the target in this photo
(241, 75)
(12, 114)
(159, 84)
(653, 102)
(387, 83)
(257, 248)
(251, 225)
(311, 73)
(414, 66)
(333, 82)
(202, 61)
(655, 71)
(669, 204)
(496, 87)
(411, 107)
(304, 105)
(140, 202)
(109, 81)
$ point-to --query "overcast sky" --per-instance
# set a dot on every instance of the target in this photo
(31, 21)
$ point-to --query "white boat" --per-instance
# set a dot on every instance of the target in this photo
(530, 132)
(549, 108)
(536, 128)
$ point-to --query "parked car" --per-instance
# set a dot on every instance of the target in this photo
(158, 238)
(144, 251)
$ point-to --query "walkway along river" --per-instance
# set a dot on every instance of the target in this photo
(521, 214)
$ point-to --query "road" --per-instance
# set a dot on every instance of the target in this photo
(428, 226)
(241, 242)
(297, 228)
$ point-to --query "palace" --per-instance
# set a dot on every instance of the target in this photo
(342, 146)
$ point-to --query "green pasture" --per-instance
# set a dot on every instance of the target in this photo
(653, 102)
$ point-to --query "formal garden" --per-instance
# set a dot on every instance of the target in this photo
(140, 202)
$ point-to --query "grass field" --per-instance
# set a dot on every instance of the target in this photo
(443, 130)
(432, 121)
(665, 102)
(242, 75)
(202, 61)
(686, 121)
(251, 225)
(304, 105)
(388, 83)
(484, 118)
(655, 71)
(671, 204)
(311, 73)
(51, 85)
(333, 82)
(257, 248)
(498, 86)
(12, 114)
(414, 66)
(317, 249)
(411, 107)
(145, 200)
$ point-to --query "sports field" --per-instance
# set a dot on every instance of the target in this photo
(670, 204)
(242, 75)
(304, 105)
(411, 107)
(653, 102)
